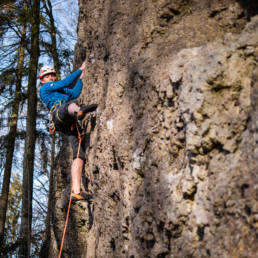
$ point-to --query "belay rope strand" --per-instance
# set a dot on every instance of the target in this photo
(80, 138)
(66, 222)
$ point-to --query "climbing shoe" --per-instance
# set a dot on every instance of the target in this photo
(86, 109)
(82, 196)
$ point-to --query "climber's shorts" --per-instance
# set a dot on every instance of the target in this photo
(73, 140)
(64, 123)
(61, 118)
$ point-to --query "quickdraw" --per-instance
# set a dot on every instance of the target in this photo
(52, 127)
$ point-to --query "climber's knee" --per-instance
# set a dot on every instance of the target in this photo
(73, 109)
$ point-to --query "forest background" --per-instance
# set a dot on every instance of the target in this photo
(32, 33)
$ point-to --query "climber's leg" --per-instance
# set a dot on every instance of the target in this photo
(77, 166)
(86, 109)
(73, 109)
(76, 173)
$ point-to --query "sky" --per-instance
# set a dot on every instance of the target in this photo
(66, 16)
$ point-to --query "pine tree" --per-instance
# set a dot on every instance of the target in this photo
(27, 187)
(13, 127)
(52, 32)
(54, 53)
(13, 213)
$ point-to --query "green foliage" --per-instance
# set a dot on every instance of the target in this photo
(7, 80)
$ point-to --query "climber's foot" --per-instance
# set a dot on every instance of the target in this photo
(86, 109)
(82, 196)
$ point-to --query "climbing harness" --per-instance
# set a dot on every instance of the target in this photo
(54, 111)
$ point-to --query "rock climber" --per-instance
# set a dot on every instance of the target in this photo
(60, 99)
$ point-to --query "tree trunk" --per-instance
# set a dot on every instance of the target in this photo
(44, 252)
(52, 32)
(30, 140)
(45, 247)
(12, 131)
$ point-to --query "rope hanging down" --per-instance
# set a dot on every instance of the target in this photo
(66, 222)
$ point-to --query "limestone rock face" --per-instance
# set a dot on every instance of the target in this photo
(172, 151)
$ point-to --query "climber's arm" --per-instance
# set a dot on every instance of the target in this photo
(53, 86)
(82, 68)
(75, 91)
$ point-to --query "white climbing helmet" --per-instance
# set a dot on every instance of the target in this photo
(46, 70)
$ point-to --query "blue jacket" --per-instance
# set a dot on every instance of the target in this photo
(53, 92)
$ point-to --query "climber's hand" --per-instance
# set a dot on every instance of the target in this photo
(82, 68)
